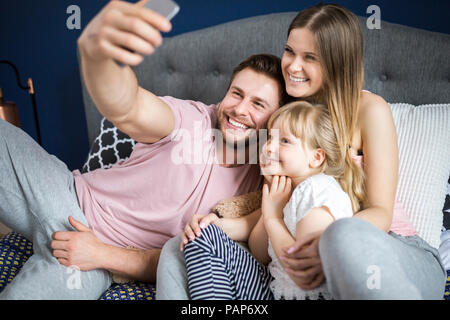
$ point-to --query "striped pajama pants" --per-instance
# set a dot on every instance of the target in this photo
(219, 269)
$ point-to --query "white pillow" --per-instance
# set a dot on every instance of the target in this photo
(424, 164)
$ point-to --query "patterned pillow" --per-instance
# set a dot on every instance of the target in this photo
(15, 250)
(110, 147)
(130, 291)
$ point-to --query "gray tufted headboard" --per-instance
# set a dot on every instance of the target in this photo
(402, 64)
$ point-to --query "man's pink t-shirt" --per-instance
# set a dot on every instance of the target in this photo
(149, 198)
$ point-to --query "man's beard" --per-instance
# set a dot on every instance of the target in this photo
(232, 142)
(246, 148)
(241, 143)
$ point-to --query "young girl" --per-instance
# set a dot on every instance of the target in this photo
(301, 153)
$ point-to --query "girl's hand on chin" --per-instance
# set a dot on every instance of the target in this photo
(275, 197)
(268, 179)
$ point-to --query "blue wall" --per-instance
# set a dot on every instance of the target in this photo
(33, 35)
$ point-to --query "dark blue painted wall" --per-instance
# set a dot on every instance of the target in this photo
(33, 35)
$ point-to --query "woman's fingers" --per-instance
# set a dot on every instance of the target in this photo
(304, 253)
(299, 264)
(309, 242)
(306, 274)
(317, 281)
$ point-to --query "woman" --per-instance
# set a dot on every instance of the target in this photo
(360, 257)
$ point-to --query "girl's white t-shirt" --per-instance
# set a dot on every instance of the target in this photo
(317, 191)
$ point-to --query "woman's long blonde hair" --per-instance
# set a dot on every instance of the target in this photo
(312, 124)
(339, 43)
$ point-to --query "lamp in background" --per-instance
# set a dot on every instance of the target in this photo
(8, 110)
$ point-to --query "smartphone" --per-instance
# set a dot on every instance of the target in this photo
(166, 8)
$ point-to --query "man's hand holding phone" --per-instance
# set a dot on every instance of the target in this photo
(125, 32)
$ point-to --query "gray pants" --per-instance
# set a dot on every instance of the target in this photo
(359, 262)
(37, 195)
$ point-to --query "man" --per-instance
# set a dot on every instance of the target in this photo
(147, 199)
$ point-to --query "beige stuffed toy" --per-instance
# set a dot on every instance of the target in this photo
(234, 207)
(238, 206)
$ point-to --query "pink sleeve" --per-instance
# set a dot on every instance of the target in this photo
(186, 113)
(401, 223)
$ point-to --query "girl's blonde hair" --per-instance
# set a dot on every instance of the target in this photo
(339, 43)
(312, 124)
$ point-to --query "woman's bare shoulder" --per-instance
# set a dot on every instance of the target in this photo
(373, 108)
(371, 100)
